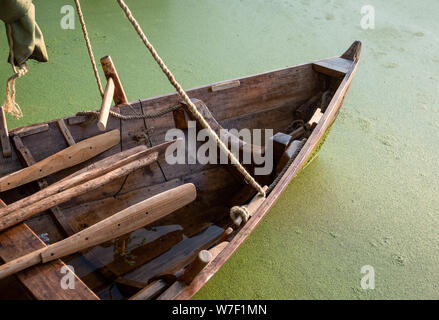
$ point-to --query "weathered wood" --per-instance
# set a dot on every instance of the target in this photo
(203, 258)
(121, 223)
(4, 135)
(150, 291)
(129, 287)
(23, 213)
(225, 85)
(334, 67)
(215, 251)
(110, 72)
(28, 160)
(252, 206)
(66, 132)
(93, 171)
(66, 158)
(42, 281)
(106, 104)
(226, 234)
(289, 152)
(317, 116)
(300, 161)
(28, 131)
(262, 101)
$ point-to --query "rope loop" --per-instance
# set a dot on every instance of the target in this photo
(239, 211)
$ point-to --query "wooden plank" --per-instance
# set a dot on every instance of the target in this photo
(66, 132)
(66, 158)
(55, 211)
(28, 131)
(42, 281)
(4, 135)
(128, 220)
(296, 166)
(150, 291)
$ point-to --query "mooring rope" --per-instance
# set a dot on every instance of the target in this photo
(89, 48)
(10, 105)
(191, 107)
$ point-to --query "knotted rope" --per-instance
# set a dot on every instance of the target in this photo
(191, 107)
(88, 44)
(10, 105)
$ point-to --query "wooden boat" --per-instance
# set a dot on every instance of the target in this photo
(174, 256)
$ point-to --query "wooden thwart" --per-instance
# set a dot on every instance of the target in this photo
(128, 220)
(66, 158)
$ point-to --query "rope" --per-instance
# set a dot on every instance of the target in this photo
(88, 44)
(281, 174)
(192, 108)
(131, 117)
(10, 106)
(239, 211)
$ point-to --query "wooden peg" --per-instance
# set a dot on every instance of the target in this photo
(4, 135)
(110, 72)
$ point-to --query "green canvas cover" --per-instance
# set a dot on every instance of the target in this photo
(28, 41)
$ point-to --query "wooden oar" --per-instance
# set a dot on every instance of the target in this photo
(93, 171)
(66, 158)
(24, 213)
(128, 220)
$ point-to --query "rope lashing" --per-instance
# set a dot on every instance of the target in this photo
(191, 107)
(289, 163)
(89, 49)
(10, 105)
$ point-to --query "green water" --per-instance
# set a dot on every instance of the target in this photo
(370, 198)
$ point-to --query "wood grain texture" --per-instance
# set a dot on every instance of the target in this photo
(66, 158)
(66, 132)
(43, 281)
(4, 135)
(106, 104)
(312, 142)
(128, 220)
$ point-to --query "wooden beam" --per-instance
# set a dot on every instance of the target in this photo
(4, 135)
(42, 281)
(26, 157)
(66, 132)
(106, 104)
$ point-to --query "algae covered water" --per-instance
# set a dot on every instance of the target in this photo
(369, 199)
